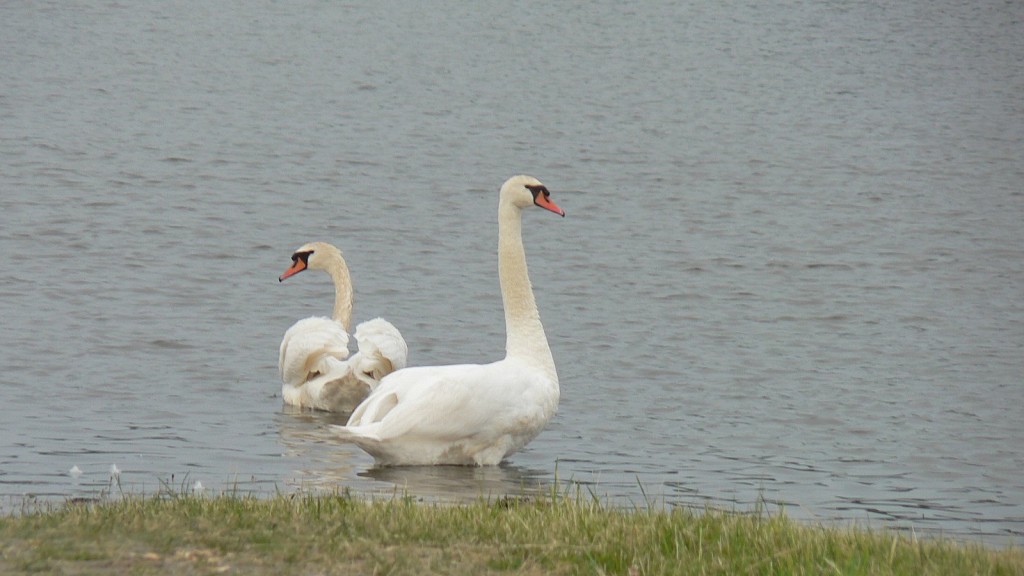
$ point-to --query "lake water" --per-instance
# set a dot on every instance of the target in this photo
(792, 269)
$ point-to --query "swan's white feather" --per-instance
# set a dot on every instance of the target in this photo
(382, 350)
(470, 414)
(308, 346)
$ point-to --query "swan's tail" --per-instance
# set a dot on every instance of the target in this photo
(357, 435)
(382, 350)
(311, 347)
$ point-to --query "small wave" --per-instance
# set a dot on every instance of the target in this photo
(170, 344)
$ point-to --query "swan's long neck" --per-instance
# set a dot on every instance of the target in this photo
(524, 333)
(342, 292)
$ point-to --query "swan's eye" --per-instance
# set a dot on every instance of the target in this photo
(304, 256)
(536, 190)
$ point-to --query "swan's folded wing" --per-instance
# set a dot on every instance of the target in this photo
(382, 348)
(308, 347)
(385, 397)
(442, 403)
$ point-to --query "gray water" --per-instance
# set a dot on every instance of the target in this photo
(791, 274)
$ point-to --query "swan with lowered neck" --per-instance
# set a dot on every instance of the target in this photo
(471, 414)
(316, 370)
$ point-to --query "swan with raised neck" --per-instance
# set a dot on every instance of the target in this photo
(471, 414)
(316, 369)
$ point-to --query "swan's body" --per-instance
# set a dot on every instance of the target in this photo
(471, 414)
(316, 370)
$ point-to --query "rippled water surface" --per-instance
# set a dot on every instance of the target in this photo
(792, 269)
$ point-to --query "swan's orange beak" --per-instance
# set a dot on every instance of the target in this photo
(545, 202)
(298, 266)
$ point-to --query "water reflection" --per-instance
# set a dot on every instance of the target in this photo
(324, 463)
(331, 465)
(461, 483)
(298, 423)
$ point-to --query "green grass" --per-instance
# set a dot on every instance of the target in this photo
(558, 534)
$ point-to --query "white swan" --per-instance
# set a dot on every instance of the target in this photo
(471, 413)
(316, 369)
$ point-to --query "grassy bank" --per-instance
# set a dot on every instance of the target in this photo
(555, 535)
